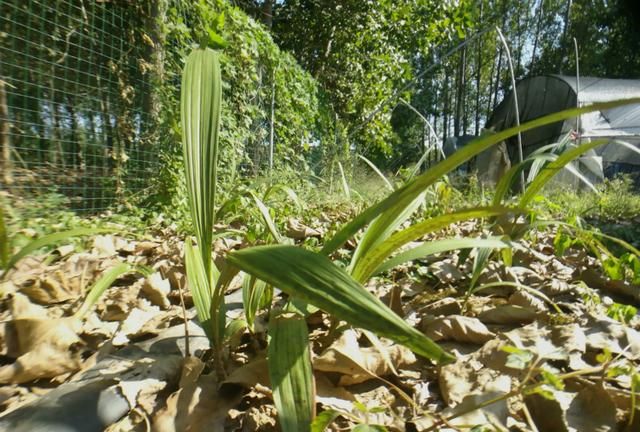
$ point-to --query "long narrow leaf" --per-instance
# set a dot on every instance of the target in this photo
(439, 246)
(290, 372)
(552, 169)
(479, 263)
(199, 286)
(51, 239)
(345, 183)
(200, 115)
(254, 292)
(576, 172)
(318, 281)
(376, 256)
(293, 196)
(407, 193)
(502, 188)
(266, 217)
(322, 421)
(377, 171)
(99, 287)
(380, 229)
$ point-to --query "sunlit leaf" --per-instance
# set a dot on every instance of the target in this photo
(345, 183)
(100, 286)
(255, 294)
(553, 167)
(376, 256)
(290, 372)
(199, 286)
(379, 230)
(266, 216)
(318, 281)
(200, 115)
(52, 239)
(438, 246)
(323, 420)
(378, 172)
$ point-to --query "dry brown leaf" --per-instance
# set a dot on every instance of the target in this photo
(330, 396)
(142, 382)
(262, 418)
(555, 287)
(156, 289)
(145, 248)
(64, 250)
(590, 410)
(446, 271)
(524, 275)
(595, 279)
(468, 375)
(45, 348)
(495, 414)
(116, 304)
(508, 314)
(446, 306)
(537, 339)
(59, 282)
(607, 333)
(104, 246)
(21, 307)
(133, 323)
(358, 364)
(524, 299)
(196, 406)
(15, 396)
(458, 328)
(298, 231)
(250, 374)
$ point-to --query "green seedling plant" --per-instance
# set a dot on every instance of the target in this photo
(289, 352)
(200, 105)
(316, 280)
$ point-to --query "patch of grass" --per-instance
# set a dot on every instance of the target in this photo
(616, 200)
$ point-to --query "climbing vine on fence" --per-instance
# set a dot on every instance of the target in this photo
(261, 85)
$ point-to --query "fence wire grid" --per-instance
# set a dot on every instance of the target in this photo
(74, 103)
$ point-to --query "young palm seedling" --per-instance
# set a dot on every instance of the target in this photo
(313, 277)
(200, 115)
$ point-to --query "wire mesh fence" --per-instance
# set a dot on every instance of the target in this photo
(74, 102)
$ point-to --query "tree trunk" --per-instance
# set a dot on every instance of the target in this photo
(107, 132)
(496, 87)
(5, 138)
(266, 13)
(496, 83)
(478, 77)
(57, 152)
(521, 30)
(565, 39)
(490, 89)
(77, 145)
(539, 15)
(445, 111)
(460, 88)
(272, 121)
(154, 55)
